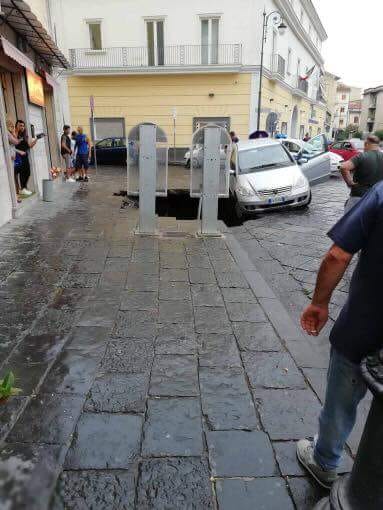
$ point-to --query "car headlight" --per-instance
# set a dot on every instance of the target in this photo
(301, 182)
(245, 192)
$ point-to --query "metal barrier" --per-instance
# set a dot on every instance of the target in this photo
(210, 155)
(147, 172)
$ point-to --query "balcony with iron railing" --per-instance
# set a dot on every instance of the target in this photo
(301, 87)
(278, 66)
(143, 58)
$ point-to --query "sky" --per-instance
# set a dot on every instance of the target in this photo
(353, 50)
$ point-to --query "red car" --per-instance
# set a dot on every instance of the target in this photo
(348, 148)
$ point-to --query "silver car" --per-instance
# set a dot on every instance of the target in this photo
(264, 176)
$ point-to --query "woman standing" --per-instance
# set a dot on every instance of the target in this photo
(24, 145)
(16, 154)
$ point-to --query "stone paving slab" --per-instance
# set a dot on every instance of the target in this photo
(240, 454)
(258, 494)
(101, 490)
(48, 419)
(174, 376)
(226, 403)
(288, 414)
(173, 428)
(105, 441)
(174, 483)
(272, 370)
(118, 393)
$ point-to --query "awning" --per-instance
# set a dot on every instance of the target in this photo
(15, 54)
(18, 15)
(51, 81)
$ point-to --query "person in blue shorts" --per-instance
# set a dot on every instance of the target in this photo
(82, 149)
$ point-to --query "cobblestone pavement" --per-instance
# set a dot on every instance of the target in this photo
(155, 373)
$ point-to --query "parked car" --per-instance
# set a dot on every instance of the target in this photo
(335, 160)
(110, 151)
(264, 176)
(313, 156)
(348, 148)
(296, 147)
(198, 157)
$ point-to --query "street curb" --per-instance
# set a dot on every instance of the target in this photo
(271, 304)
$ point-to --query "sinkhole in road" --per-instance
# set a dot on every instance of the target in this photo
(182, 206)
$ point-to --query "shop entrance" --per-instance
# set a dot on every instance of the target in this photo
(41, 150)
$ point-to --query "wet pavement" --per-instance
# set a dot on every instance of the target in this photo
(156, 372)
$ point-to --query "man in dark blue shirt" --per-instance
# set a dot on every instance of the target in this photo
(357, 332)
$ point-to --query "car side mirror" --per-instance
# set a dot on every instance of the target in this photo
(302, 161)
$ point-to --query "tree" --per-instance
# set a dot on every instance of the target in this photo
(379, 134)
(352, 131)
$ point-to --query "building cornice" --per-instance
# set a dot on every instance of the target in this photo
(373, 90)
(290, 16)
(315, 19)
(154, 71)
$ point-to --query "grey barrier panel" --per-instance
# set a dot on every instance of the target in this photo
(147, 179)
(133, 159)
(210, 155)
(210, 181)
(197, 161)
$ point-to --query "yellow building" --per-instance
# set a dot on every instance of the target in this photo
(156, 98)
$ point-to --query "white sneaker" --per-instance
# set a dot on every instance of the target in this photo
(25, 192)
(305, 454)
(70, 179)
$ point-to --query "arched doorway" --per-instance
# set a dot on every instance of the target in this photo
(294, 122)
(271, 123)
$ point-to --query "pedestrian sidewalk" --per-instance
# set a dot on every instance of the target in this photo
(155, 372)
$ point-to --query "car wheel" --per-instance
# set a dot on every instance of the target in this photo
(239, 214)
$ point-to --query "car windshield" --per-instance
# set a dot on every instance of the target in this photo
(263, 158)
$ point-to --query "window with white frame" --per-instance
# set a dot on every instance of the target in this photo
(95, 34)
(156, 42)
(209, 39)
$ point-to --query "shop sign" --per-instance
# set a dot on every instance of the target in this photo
(35, 88)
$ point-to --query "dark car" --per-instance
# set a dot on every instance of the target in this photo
(110, 151)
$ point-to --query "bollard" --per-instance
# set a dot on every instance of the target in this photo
(48, 190)
(362, 489)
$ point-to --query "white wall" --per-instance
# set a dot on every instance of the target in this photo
(123, 24)
(5, 193)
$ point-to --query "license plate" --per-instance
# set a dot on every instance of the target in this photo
(276, 200)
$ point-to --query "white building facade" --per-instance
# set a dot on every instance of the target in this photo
(145, 61)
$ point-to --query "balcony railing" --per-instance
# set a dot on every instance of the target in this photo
(303, 85)
(168, 56)
(278, 65)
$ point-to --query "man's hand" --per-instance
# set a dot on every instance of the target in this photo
(314, 318)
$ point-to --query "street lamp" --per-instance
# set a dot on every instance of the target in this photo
(282, 27)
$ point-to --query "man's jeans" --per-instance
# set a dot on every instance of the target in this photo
(345, 389)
